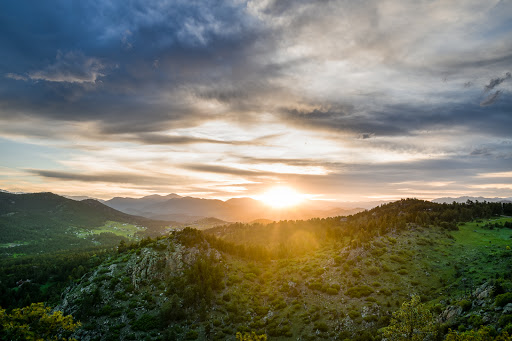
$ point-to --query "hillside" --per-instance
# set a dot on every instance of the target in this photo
(44, 222)
(334, 278)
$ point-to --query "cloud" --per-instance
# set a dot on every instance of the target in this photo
(224, 170)
(16, 77)
(71, 67)
(110, 177)
(359, 81)
(497, 81)
(490, 99)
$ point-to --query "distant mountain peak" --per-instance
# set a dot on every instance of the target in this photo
(464, 199)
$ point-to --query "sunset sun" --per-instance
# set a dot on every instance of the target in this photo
(281, 197)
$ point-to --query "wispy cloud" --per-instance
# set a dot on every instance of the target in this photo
(491, 99)
(71, 67)
(497, 81)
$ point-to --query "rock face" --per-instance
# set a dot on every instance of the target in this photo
(482, 305)
(451, 314)
(483, 291)
(507, 309)
(127, 287)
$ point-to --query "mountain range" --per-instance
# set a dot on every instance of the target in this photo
(190, 209)
(464, 199)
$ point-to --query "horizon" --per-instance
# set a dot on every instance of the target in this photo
(376, 202)
(354, 102)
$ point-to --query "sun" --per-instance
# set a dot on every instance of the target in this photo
(281, 197)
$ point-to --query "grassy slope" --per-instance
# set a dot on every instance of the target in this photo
(330, 292)
(45, 222)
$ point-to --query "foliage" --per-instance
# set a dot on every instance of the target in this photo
(252, 336)
(145, 323)
(503, 299)
(483, 334)
(413, 321)
(360, 291)
(36, 322)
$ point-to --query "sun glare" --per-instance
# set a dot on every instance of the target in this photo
(280, 197)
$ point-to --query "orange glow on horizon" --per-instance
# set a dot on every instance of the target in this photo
(281, 197)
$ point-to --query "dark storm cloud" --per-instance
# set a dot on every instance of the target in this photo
(140, 67)
(405, 119)
(137, 54)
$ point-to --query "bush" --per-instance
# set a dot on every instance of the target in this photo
(356, 273)
(145, 323)
(315, 286)
(475, 321)
(465, 305)
(505, 320)
(373, 270)
(338, 260)
(192, 335)
(359, 291)
(353, 314)
(503, 299)
(397, 258)
(321, 326)
(331, 291)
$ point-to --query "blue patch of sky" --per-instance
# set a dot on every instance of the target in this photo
(26, 155)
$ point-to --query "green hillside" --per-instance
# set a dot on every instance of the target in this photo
(45, 222)
(336, 278)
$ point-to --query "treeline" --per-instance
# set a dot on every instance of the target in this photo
(42, 278)
(291, 238)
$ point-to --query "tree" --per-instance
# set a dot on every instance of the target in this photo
(252, 336)
(413, 321)
(35, 322)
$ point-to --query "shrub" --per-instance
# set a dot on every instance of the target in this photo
(338, 260)
(356, 273)
(145, 323)
(373, 270)
(359, 291)
(120, 296)
(321, 326)
(315, 286)
(353, 314)
(192, 335)
(385, 291)
(105, 310)
(332, 291)
(503, 299)
(397, 258)
(475, 321)
(505, 320)
(465, 305)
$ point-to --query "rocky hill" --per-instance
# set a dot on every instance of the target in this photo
(331, 279)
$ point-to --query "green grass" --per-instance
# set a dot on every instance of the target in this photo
(120, 229)
(473, 234)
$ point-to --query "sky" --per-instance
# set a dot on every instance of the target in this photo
(339, 100)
